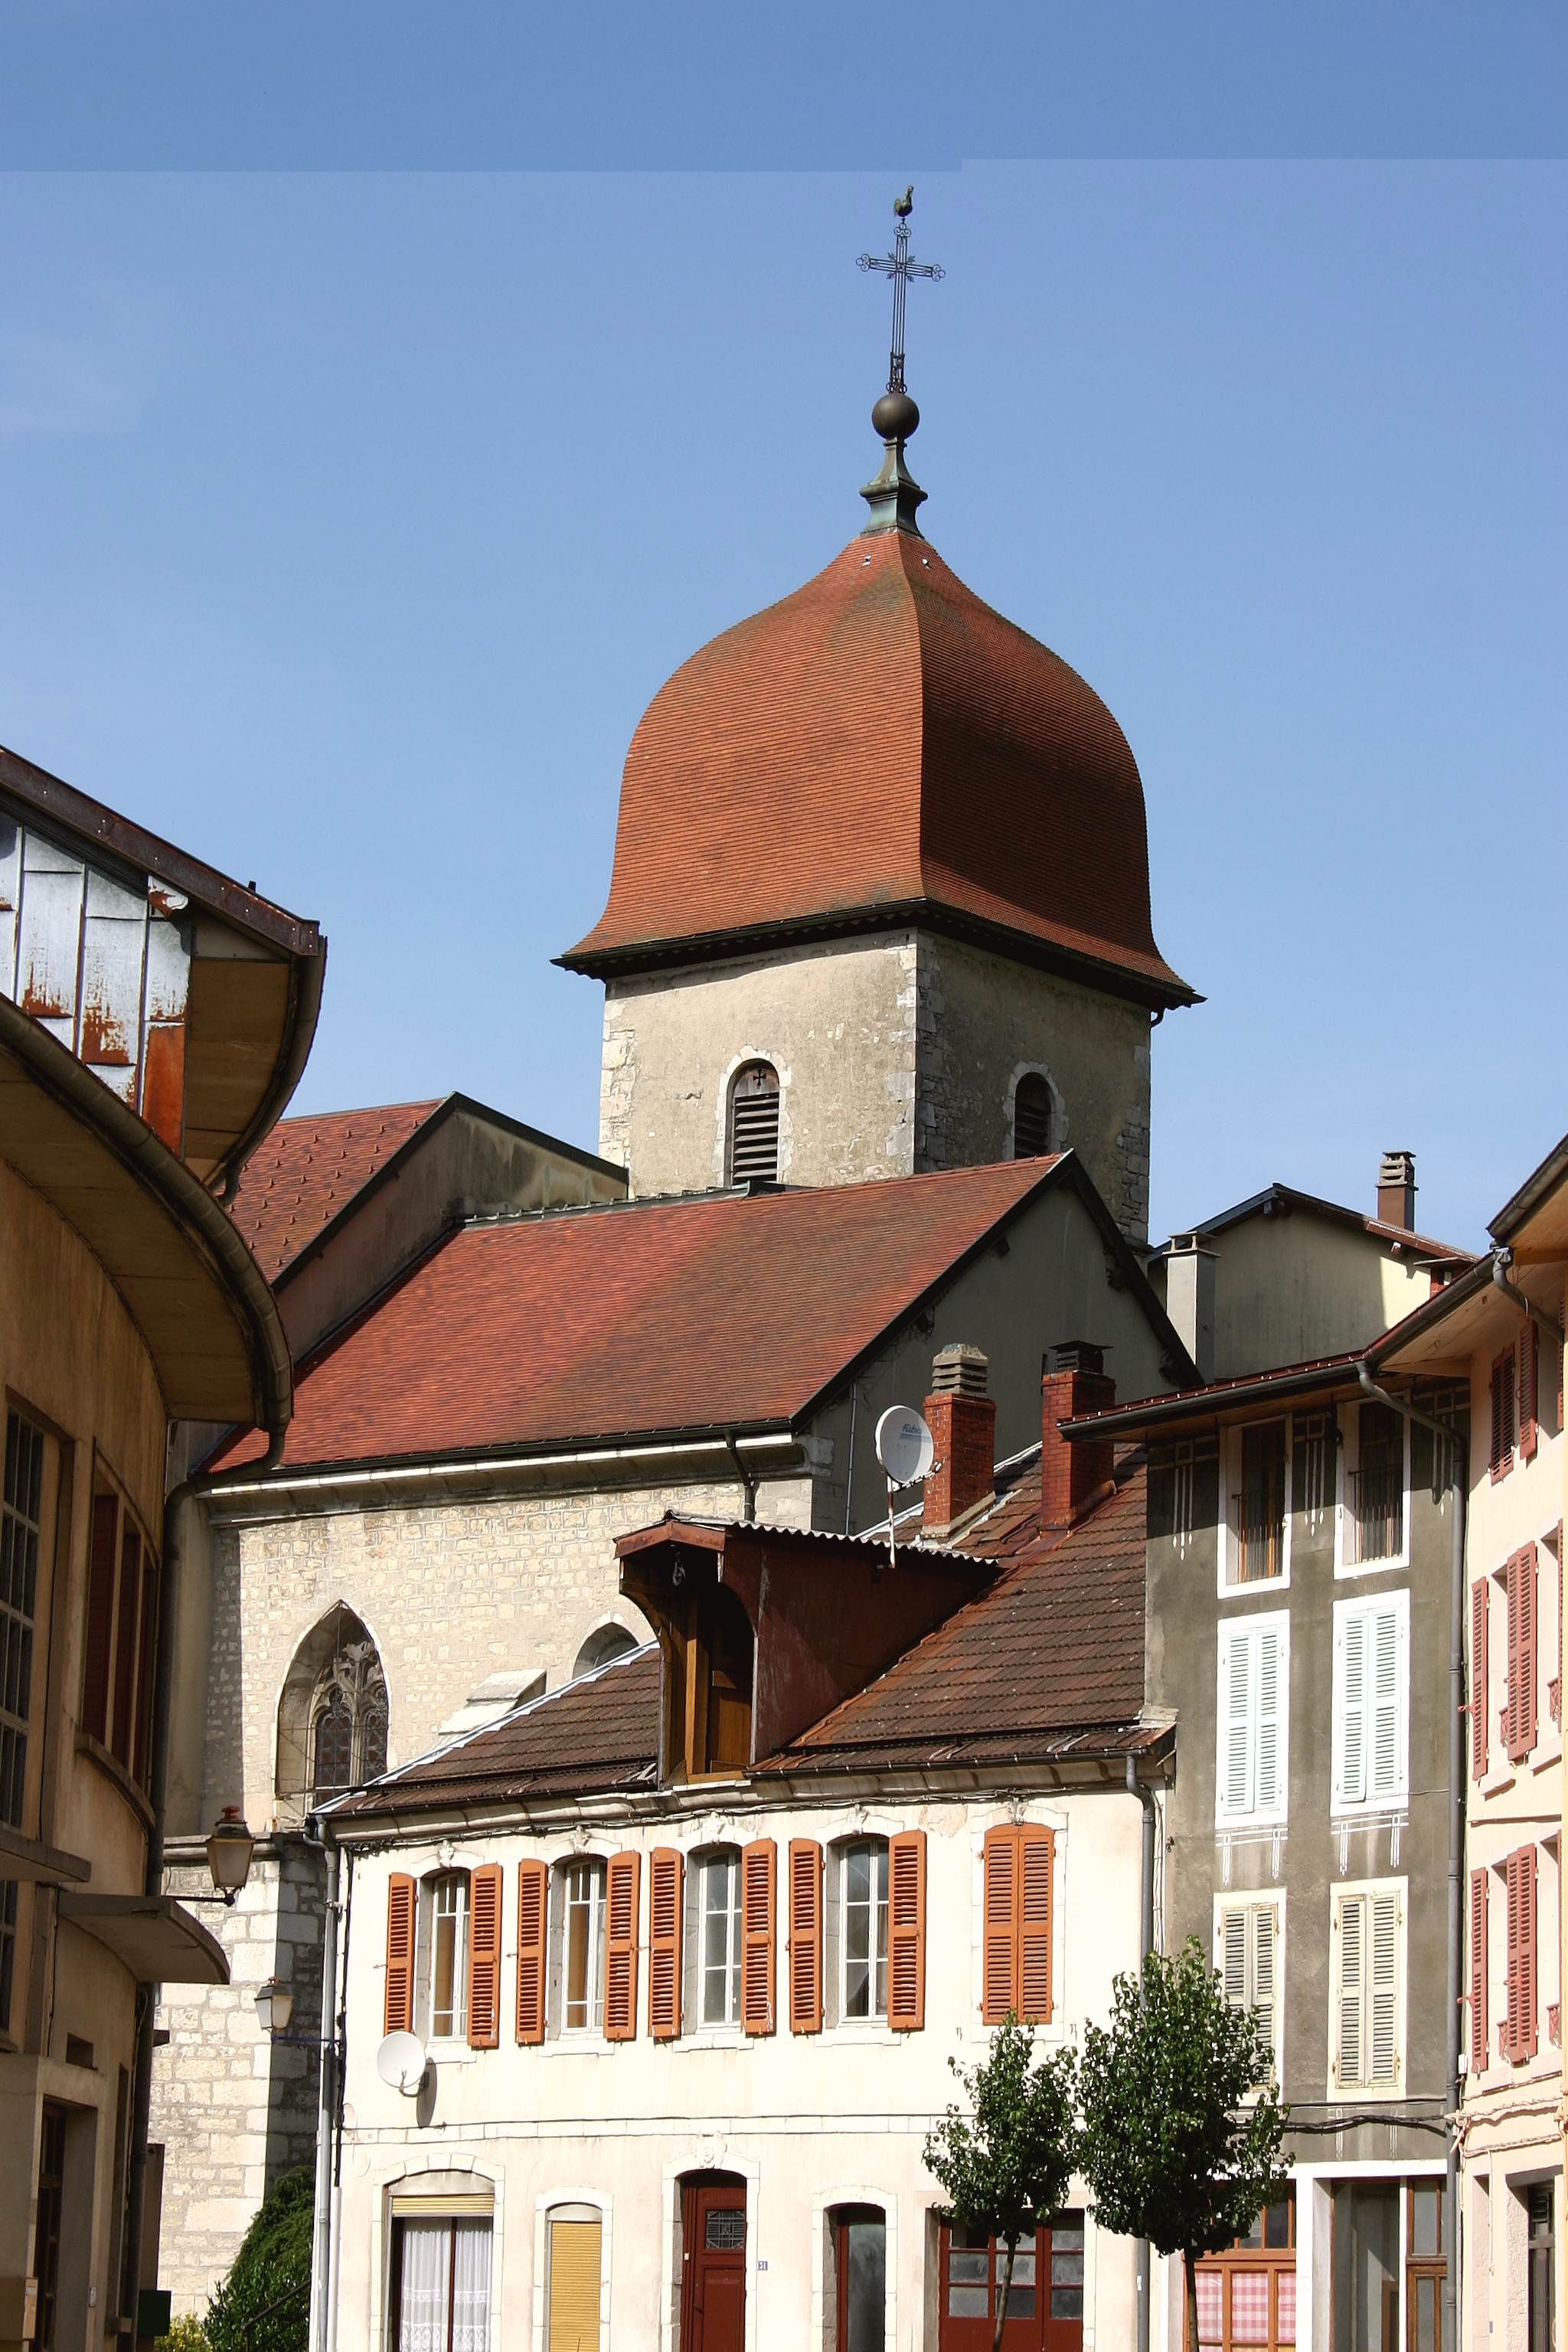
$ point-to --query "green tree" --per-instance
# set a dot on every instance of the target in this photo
(1009, 2164)
(264, 2304)
(1180, 2144)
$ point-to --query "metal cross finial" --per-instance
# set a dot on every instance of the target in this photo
(898, 266)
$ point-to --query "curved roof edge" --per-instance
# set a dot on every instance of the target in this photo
(1141, 981)
(129, 1170)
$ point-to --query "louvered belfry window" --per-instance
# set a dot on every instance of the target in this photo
(754, 1125)
(1031, 1116)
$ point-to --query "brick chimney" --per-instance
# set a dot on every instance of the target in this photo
(962, 1422)
(1396, 1190)
(1073, 1477)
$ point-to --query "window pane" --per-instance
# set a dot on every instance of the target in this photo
(584, 1909)
(425, 2298)
(722, 1940)
(1425, 2220)
(866, 2263)
(968, 2302)
(471, 2286)
(447, 1958)
(966, 2264)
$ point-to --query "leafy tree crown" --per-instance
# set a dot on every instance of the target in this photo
(1010, 2161)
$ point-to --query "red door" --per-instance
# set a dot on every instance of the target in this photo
(1045, 2306)
(713, 2266)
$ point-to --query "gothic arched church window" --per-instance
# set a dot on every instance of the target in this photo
(332, 1715)
(754, 1124)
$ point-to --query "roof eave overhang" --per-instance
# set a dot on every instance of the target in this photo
(1162, 990)
(595, 1453)
(128, 1161)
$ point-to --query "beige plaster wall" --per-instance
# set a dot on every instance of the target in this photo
(894, 1056)
(810, 2121)
(1290, 1289)
(836, 1020)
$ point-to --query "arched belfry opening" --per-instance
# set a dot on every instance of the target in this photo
(331, 1715)
(754, 1143)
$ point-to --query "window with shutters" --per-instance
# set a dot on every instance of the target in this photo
(1258, 1522)
(1017, 1916)
(1528, 1377)
(1366, 1976)
(1502, 1428)
(1033, 1116)
(754, 1153)
(1373, 1517)
(1249, 1953)
(532, 1937)
(759, 1898)
(714, 1937)
(1481, 1963)
(863, 1933)
(483, 1992)
(1371, 1707)
(623, 1889)
(120, 1636)
(582, 1945)
(1517, 2028)
(1480, 1676)
(1518, 1718)
(1252, 1767)
(665, 1874)
(441, 2011)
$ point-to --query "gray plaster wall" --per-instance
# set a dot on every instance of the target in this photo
(895, 1056)
(1182, 1632)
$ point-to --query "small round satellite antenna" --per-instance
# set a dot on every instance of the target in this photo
(904, 1446)
(400, 2061)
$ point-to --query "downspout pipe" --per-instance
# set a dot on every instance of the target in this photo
(1145, 1796)
(326, 2098)
(153, 1879)
(747, 1479)
(1543, 1322)
(1459, 1478)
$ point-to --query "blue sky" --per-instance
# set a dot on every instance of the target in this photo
(353, 511)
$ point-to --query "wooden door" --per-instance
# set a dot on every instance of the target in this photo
(1045, 2307)
(713, 2266)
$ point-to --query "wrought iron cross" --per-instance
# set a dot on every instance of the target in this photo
(898, 266)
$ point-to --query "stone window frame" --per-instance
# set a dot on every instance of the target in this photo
(1059, 1129)
(307, 1684)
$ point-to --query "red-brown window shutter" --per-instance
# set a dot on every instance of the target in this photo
(759, 1865)
(1521, 1709)
(140, 1762)
(1478, 1971)
(120, 1727)
(1525, 2043)
(907, 1931)
(665, 1872)
(1501, 1454)
(1480, 1592)
(1529, 1375)
(1038, 1847)
(623, 1876)
(100, 1616)
(532, 1917)
(805, 1936)
(402, 1896)
(484, 1956)
(999, 1927)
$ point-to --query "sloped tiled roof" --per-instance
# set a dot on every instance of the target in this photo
(598, 1733)
(1048, 1659)
(308, 1170)
(716, 1312)
(878, 742)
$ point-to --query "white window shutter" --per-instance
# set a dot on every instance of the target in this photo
(1384, 1987)
(1239, 1675)
(1268, 1792)
(1351, 1909)
(1233, 1944)
(1384, 1627)
(1349, 1779)
(1264, 1926)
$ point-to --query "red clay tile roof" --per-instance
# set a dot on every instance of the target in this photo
(598, 1733)
(308, 1168)
(1047, 1659)
(709, 1312)
(882, 741)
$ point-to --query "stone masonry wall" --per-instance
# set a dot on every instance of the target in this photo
(450, 1592)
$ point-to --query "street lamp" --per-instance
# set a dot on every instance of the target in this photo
(229, 1850)
(274, 2007)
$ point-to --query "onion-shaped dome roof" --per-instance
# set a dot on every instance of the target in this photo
(881, 750)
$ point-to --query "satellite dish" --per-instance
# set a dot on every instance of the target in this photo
(905, 1447)
(400, 2061)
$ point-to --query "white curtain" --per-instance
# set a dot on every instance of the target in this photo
(471, 2287)
(427, 2258)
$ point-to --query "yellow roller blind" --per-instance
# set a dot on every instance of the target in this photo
(573, 2286)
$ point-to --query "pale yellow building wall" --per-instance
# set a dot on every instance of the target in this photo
(73, 1362)
(1291, 1289)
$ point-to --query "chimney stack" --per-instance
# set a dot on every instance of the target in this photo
(1073, 1479)
(1189, 1298)
(1396, 1190)
(962, 1422)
